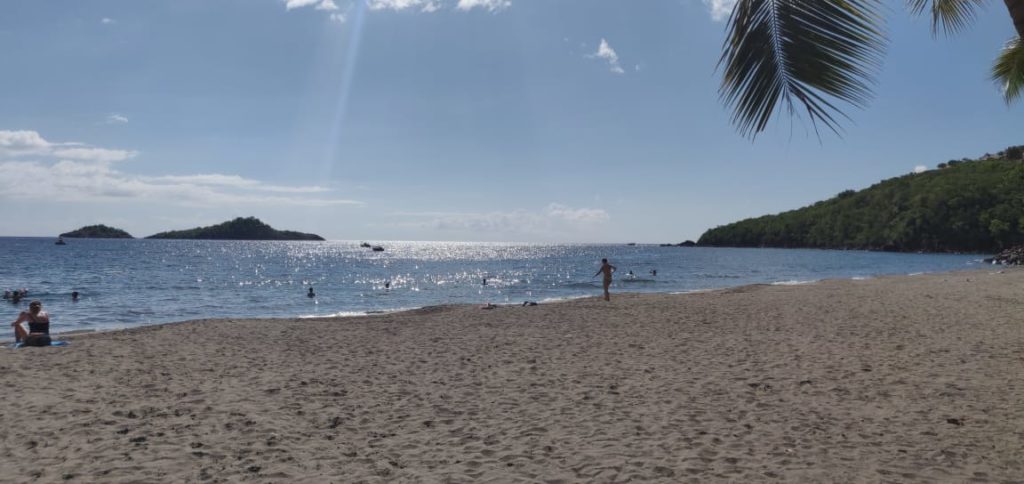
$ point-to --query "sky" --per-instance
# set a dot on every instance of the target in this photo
(444, 120)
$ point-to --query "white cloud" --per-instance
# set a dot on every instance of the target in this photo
(584, 216)
(323, 5)
(107, 20)
(117, 118)
(920, 169)
(424, 5)
(290, 4)
(490, 5)
(606, 52)
(102, 155)
(234, 181)
(720, 9)
(553, 219)
(22, 143)
(73, 172)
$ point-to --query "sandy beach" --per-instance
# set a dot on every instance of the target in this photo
(897, 379)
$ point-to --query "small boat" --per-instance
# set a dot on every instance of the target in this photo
(377, 248)
(364, 244)
(60, 241)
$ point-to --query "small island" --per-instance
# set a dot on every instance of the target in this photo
(248, 228)
(687, 243)
(97, 232)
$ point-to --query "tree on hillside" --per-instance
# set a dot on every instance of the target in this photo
(808, 55)
(1015, 153)
(974, 207)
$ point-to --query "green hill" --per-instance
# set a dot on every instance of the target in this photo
(969, 206)
(97, 232)
(249, 228)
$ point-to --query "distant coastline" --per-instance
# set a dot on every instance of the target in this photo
(247, 228)
(971, 206)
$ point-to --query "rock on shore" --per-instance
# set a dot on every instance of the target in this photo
(1013, 256)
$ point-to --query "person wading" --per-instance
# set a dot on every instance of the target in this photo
(607, 269)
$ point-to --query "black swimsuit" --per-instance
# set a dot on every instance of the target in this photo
(37, 327)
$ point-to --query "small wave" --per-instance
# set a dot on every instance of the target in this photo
(705, 275)
(915, 273)
(694, 291)
(352, 314)
(562, 299)
(860, 278)
(792, 283)
(582, 285)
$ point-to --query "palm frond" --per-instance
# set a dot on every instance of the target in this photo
(951, 15)
(1009, 70)
(811, 52)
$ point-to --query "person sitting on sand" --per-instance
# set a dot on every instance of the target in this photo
(607, 269)
(38, 333)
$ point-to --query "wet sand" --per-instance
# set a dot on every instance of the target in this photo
(899, 379)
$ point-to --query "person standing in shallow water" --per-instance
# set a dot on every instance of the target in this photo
(607, 269)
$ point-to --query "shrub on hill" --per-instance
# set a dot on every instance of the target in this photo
(970, 207)
(99, 231)
(249, 228)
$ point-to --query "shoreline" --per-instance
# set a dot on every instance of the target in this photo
(904, 378)
(561, 300)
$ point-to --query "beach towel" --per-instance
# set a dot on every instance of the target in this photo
(52, 343)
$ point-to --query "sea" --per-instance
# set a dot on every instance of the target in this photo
(129, 283)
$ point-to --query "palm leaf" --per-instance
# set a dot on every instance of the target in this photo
(1009, 70)
(806, 52)
(952, 15)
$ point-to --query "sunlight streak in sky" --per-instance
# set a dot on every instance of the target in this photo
(358, 20)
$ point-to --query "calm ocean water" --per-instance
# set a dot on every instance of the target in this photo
(125, 283)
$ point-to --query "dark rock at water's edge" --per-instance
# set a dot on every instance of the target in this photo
(249, 228)
(97, 232)
(688, 243)
(1013, 256)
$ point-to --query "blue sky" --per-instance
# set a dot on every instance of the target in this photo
(479, 120)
